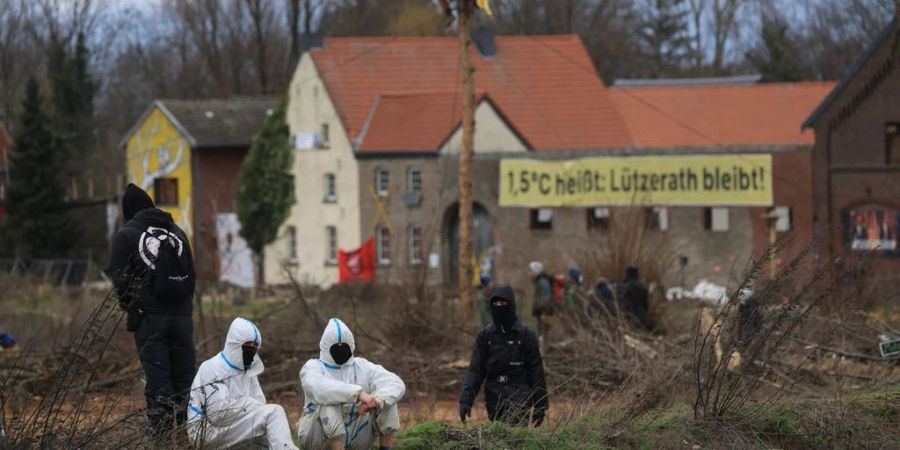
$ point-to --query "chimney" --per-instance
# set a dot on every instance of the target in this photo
(483, 37)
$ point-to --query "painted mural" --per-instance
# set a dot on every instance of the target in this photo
(158, 150)
(235, 258)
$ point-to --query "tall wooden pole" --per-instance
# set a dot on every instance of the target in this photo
(463, 13)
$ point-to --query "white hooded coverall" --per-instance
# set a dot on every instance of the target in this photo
(331, 410)
(227, 404)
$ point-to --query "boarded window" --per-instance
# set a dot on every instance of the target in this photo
(166, 191)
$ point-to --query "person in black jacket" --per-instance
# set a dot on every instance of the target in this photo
(636, 296)
(162, 325)
(507, 359)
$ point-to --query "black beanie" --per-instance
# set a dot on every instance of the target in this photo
(135, 199)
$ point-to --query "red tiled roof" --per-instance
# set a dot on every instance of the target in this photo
(545, 86)
(410, 122)
(719, 115)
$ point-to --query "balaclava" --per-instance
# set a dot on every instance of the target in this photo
(631, 273)
(504, 316)
(134, 200)
(248, 350)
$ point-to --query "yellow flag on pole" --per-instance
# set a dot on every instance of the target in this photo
(485, 5)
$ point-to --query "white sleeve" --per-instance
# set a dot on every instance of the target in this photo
(387, 386)
(256, 391)
(322, 390)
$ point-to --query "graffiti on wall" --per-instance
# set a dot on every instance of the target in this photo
(235, 257)
(872, 229)
(158, 150)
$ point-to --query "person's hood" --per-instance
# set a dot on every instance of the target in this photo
(536, 268)
(335, 332)
(135, 200)
(575, 274)
(504, 317)
(240, 331)
(632, 273)
(746, 292)
(154, 217)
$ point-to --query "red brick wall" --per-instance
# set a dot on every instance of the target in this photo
(792, 187)
(215, 174)
(849, 158)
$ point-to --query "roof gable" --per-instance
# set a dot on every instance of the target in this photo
(545, 86)
(848, 76)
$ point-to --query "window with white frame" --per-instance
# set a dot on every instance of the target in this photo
(541, 219)
(716, 219)
(383, 245)
(415, 245)
(784, 218)
(324, 136)
(598, 218)
(657, 218)
(330, 188)
(291, 240)
(382, 181)
(414, 180)
(331, 239)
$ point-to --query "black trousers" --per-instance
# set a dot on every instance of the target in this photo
(165, 344)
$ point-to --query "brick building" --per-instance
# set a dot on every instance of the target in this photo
(857, 155)
(187, 155)
(376, 122)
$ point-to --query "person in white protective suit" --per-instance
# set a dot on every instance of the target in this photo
(228, 407)
(349, 401)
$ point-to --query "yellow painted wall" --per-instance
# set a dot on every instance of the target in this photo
(158, 150)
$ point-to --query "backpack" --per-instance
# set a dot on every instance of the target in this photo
(558, 285)
(171, 274)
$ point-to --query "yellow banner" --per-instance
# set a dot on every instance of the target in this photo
(680, 180)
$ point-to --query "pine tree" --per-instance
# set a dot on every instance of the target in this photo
(778, 59)
(73, 102)
(266, 185)
(665, 37)
(38, 225)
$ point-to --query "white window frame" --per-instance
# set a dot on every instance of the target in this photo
(382, 251)
(330, 188)
(379, 174)
(661, 215)
(331, 249)
(413, 180)
(324, 135)
(415, 245)
(291, 234)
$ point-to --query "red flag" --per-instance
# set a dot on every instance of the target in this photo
(359, 264)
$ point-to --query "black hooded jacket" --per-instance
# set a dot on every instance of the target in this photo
(130, 272)
(508, 361)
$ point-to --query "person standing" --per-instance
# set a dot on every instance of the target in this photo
(507, 359)
(636, 296)
(542, 307)
(153, 277)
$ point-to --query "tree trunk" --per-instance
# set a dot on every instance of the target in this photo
(465, 160)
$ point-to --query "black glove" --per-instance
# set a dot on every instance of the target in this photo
(538, 418)
(465, 410)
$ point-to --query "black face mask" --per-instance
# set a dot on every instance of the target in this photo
(504, 316)
(340, 353)
(249, 352)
